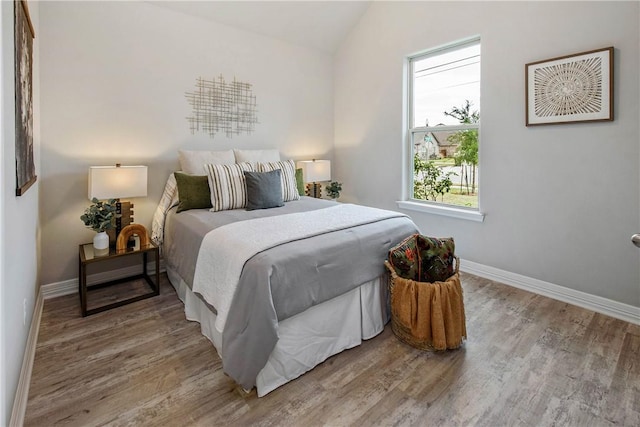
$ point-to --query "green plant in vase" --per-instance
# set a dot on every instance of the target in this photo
(99, 217)
(333, 190)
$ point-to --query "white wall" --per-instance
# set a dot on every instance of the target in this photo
(561, 202)
(114, 75)
(19, 229)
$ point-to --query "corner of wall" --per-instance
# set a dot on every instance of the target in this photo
(19, 222)
(3, 400)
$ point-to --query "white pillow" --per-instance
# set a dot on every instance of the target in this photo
(255, 156)
(228, 186)
(288, 177)
(192, 162)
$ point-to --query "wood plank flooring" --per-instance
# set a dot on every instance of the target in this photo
(528, 361)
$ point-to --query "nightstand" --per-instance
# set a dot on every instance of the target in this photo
(87, 258)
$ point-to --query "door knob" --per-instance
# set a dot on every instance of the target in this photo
(636, 239)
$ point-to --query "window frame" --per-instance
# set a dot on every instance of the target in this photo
(431, 206)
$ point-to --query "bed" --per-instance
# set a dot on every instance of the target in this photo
(278, 291)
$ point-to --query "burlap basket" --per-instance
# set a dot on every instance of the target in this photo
(428, 315)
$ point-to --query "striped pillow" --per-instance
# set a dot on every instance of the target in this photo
(228, 185)
(288, 177)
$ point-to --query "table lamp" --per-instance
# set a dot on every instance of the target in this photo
(117, 182)
(313, 172)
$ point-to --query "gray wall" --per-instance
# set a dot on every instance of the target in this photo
(562, 201)
(19, 216)
(114, 75)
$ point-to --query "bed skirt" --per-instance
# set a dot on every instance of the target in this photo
(306, 339)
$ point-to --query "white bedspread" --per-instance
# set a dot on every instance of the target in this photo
(226, 249)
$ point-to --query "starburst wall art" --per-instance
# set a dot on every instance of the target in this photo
(570, 89)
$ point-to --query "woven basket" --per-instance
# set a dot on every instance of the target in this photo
(436, 319)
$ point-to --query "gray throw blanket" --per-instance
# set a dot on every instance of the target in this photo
(286, 280)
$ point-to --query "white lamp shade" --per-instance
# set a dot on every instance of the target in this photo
(315, 170)
(115, 182)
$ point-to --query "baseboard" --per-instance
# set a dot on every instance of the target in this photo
(22, 391)
(626, 312)
(67, 287)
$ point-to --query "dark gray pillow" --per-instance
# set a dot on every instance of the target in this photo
(264, 190)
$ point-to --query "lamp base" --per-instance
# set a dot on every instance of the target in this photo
(314, 190)
(124, 217)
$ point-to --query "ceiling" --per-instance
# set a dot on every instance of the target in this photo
(321, 25)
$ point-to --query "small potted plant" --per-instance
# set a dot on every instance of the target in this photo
(99, 217)
(333, 189)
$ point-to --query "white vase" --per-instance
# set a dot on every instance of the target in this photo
(101, 244)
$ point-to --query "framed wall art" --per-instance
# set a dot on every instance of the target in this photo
(219, 106)
(23, 47)
(570, 89)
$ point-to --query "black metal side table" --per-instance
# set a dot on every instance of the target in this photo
(87, 258)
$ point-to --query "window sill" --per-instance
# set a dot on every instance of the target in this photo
(450, 211)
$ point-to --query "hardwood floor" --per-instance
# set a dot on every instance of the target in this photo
(529, 361)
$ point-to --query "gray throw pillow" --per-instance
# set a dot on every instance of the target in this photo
(264, 190)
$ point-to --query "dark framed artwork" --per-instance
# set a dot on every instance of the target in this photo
(23, 42)
(570, 89)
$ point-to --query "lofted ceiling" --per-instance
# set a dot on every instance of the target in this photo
(321, 25)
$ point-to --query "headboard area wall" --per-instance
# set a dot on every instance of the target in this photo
(113, 81)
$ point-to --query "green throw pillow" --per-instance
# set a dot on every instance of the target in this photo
(299, 182)
(193, 191)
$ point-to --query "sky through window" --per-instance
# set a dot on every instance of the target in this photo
(445, 80)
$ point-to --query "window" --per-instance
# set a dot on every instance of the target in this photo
(444, 123)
